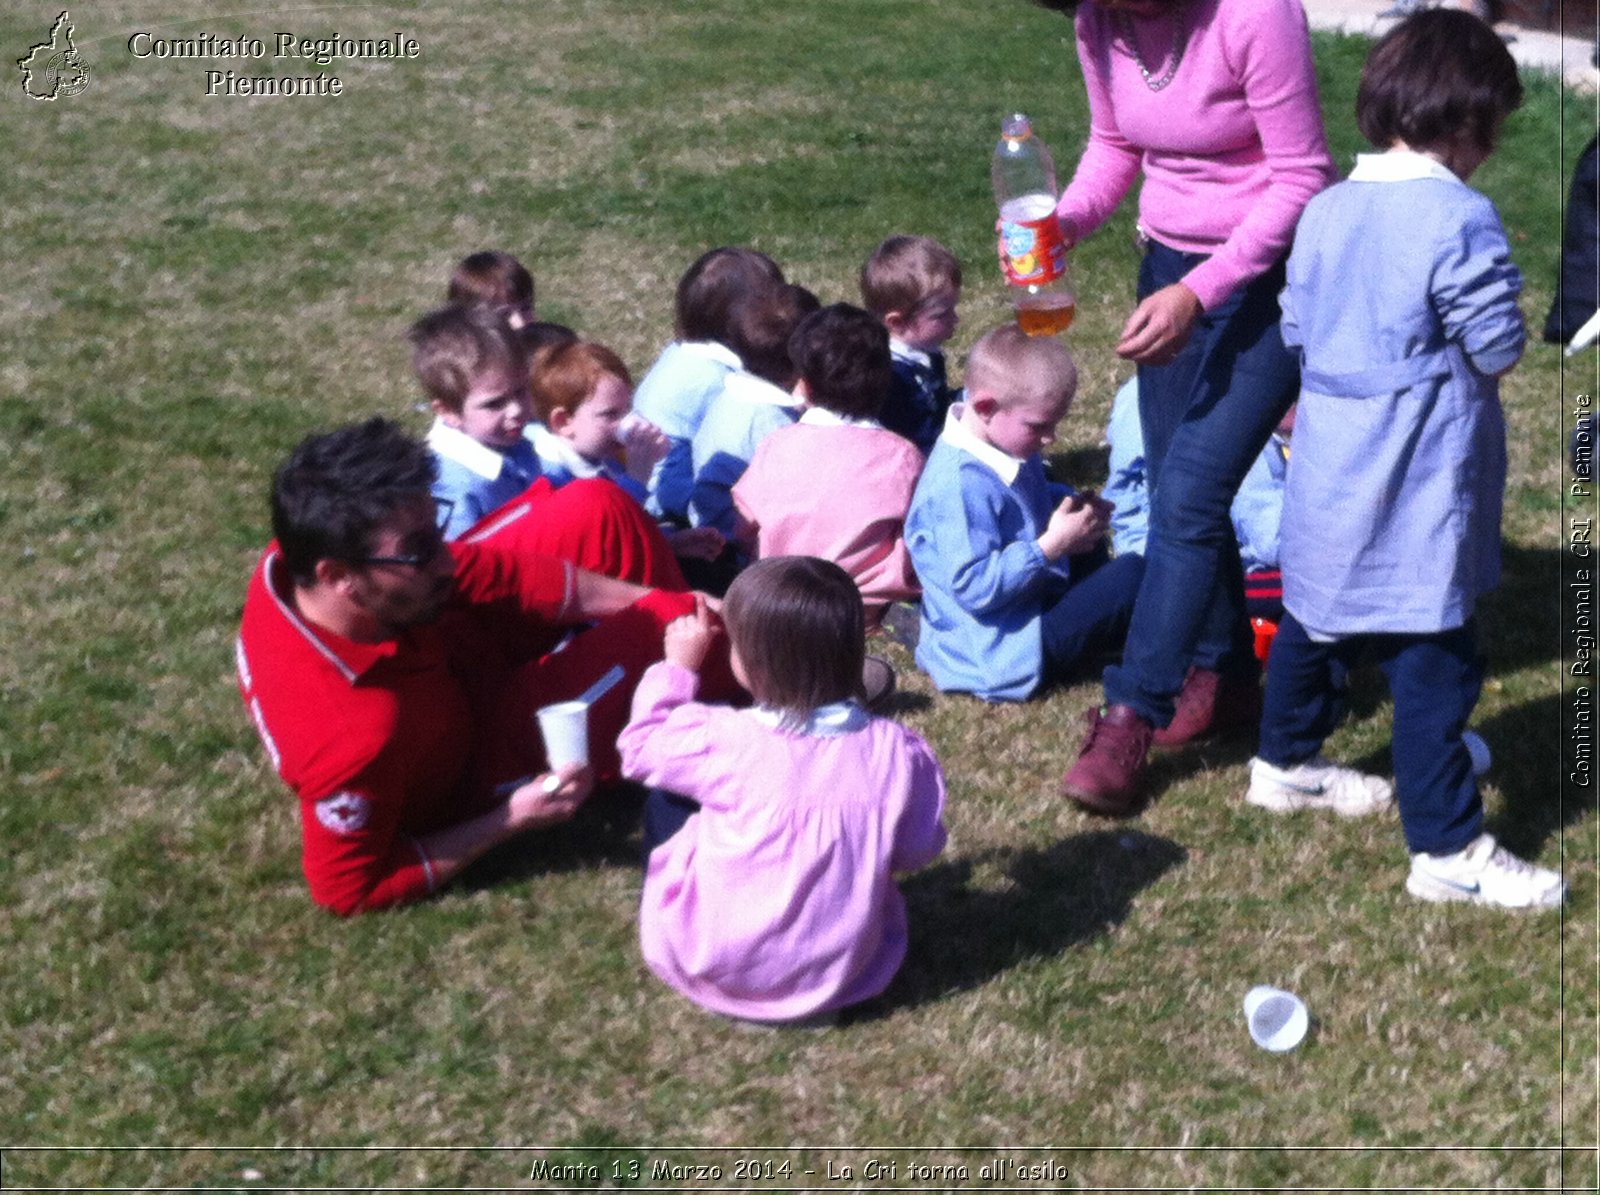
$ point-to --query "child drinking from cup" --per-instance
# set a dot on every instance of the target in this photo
(1402, 298)
(583, 395)
(769, 892)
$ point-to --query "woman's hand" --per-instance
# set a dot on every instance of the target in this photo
(1160, 326)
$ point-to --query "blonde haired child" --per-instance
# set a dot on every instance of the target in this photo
(1017, 585)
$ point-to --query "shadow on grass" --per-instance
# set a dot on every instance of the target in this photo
(603, 833)
(1538, 803)
(1047, 901)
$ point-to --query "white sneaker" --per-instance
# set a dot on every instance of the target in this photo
(1317, 784)
(1485, 873)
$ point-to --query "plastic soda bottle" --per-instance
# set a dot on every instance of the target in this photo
(1033, 253)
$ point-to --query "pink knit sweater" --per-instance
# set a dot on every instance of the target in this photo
(1232, 149)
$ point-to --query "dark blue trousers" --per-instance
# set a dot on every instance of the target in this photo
(1092, 616)
(1434, 680)
(1206, 416)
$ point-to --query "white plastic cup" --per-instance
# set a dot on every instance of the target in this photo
(1478, 749)
(1277, 1019)
(565, 727)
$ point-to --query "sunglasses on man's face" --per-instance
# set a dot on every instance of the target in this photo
(425, 554)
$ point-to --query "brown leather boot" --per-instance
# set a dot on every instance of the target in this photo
(1105, 780)
(1212, 703)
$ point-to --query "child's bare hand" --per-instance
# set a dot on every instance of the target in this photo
(689, 638)
(697, 543)
(550, 799)
(646, 446)
(1075, 526)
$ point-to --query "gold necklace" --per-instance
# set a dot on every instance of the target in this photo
(1179, 44)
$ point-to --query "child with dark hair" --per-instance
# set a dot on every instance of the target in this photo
(755, 402)
(490, 278)
(913, 284)
(840, 449)
(769, 894)
(1402, 298)
(686, 379)
(474, 369)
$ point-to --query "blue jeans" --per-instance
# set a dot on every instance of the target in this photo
(1207, 414)
(1434, 680)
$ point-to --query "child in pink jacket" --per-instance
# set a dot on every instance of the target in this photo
(769, 890)
(837, 484)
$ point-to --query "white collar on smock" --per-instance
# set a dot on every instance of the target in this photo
(455, 445)
(558, 450)
(746, 387)
(962, 437)
(906, 352)
(822, 417)
(825, 722)
(712, 350)
(1399, 166)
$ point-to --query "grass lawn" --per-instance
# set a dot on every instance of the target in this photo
(195, 283)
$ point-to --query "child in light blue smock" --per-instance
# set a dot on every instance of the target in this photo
(1402, 298)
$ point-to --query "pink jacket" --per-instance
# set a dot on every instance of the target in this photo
(777, 900)
(1232, 149)
(839, 491)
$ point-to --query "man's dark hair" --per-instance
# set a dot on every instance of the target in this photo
(842, 354)
(1437, 75)
(337, 488)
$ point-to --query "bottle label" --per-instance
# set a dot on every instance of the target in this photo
(1031, 234)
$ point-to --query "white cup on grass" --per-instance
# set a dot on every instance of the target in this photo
(1277, 1019)
(565, 727)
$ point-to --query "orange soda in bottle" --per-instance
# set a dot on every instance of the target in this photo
(1033, 253)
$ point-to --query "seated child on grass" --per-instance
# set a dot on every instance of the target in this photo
(769, 890)
(913, 284)
(837, 484)
(689, 374)
(474, 369)
(1018, 589)
(755, 402)
(490, 278)
(1402, 297)
(583, 397)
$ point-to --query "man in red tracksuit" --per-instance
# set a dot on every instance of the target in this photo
(393, 677)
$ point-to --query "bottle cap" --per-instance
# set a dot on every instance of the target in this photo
(1016, 127)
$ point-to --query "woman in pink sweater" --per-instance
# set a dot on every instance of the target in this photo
(1215, 103)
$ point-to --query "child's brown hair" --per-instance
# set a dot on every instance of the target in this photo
(760, 328)
(716, 284)
(564, 376)
(799, 628)
(842, 355)
(453, 347)
(1439, 75)
(490, 278)
(906, 271)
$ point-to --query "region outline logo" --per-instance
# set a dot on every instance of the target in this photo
(54, 68)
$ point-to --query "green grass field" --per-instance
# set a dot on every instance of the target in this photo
(195, 283)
